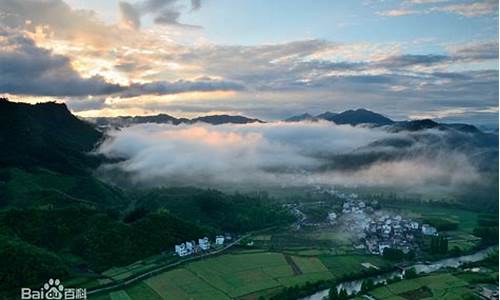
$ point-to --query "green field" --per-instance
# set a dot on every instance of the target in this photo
(438, 286)
(350, 264)
(243, 274)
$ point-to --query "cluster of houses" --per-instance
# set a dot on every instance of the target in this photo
(204, 244)
(394, 232)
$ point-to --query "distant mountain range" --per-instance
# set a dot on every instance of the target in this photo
(122, 121)
(350, 117)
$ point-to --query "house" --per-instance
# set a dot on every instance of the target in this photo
(383, 246)
(428, 230)
(181, 250)
(219, 240)
(332, 216)
(414, 225)
(204, 243)
(190, 247)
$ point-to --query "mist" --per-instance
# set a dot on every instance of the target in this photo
(283, 154)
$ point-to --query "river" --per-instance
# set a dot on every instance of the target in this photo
(354, 286)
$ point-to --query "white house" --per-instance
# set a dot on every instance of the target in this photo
(428, 230)
(381, 247)
(181, 250)
(414, 225)
(190, 247)
(219, 240)
(204, 243)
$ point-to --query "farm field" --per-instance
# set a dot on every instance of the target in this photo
(244, 274)
(438, 286)
(342, 265)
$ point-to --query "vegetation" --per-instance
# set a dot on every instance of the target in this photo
(439, 244)
(228, 212)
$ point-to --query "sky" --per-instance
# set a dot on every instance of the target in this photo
(406, 59)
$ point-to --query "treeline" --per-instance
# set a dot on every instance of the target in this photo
(37, 241)
(487, 229)
(229, 212)
(84, 237)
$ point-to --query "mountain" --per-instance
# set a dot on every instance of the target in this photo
(45, 135)
(225, 119)
(359, 116)
(302, 117)
(326, 115)
(129, 120)
(44, 158)
(351, 117)
(122, 121)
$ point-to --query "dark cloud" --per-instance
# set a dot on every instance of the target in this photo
(130, 16)
(165, 12)
(408, 60)
(30, 70)
(478, 51)
(26, 69)
(180, 86)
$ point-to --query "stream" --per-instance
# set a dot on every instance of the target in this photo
(354, 286)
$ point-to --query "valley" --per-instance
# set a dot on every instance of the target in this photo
(62, 215)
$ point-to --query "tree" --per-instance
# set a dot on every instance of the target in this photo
(393, 254)
(367, 285)
(410, 273)
(333, 294)
(343, 294)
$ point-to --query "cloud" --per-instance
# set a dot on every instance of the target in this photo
(282, 154)
(484, 50)
(397, 12)
(475, 8)
(56, 19)
(165, 12)
(30, 70)
(470, 9)
(180, 86)
(129, 15)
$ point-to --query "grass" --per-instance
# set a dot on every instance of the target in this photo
(183, 284)
(437, 286)
(238, 275)
(309, 264)
(119, 295)
(349, 264)
(467, 220)
(234, 275)
(143, 292)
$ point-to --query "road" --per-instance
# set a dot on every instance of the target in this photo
(160, 269)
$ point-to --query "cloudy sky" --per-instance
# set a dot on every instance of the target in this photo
(266, 59)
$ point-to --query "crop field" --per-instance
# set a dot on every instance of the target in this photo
(347, 264)
(439, 286)
(182, 284)
(119, 295)
(234, 275)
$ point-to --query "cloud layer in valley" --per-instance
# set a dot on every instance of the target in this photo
(280, 154)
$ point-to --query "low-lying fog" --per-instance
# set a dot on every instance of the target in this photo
(284, 154)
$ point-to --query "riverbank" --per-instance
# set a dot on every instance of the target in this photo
(354, 286)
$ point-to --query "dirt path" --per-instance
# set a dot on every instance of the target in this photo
(296, 270)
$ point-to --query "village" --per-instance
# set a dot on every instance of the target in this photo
(370, 227)
(190, 247)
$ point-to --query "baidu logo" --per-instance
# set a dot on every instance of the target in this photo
(54, 290)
